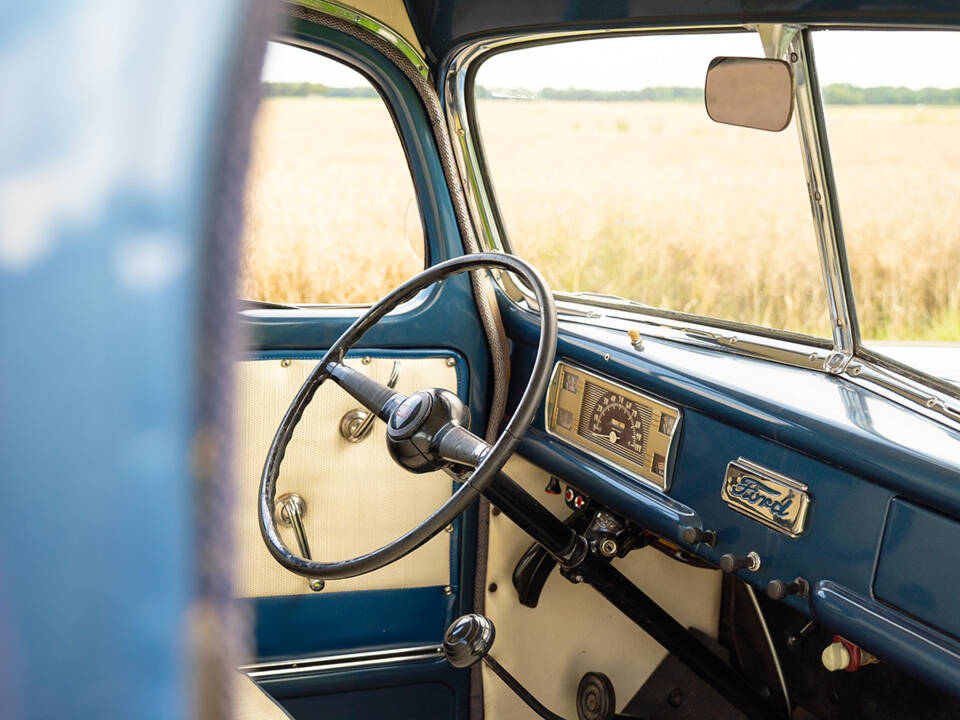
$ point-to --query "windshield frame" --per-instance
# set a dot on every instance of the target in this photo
(845, 355)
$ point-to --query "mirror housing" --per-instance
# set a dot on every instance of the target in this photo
(749, 92)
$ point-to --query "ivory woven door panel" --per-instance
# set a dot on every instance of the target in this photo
(357, 497)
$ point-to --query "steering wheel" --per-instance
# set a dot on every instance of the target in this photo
(429, 430)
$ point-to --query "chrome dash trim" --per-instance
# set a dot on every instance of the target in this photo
(663, 487)
(816, 165)
(320, 663)
(368, 22)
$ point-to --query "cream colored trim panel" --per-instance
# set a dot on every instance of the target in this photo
(357, 497)
(573, 629)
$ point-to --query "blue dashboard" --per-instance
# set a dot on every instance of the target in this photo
(883, 484)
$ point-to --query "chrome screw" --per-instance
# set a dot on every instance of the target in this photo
(367, 360)
(451, 361)
(285, 362)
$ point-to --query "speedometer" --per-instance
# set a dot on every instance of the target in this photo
(616, 422)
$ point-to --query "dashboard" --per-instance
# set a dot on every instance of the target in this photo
(621, 426)
(857, 488)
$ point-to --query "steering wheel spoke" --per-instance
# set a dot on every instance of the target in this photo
(379, 399)
(461, 447)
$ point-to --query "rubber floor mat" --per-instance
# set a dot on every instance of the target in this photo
(673, 692)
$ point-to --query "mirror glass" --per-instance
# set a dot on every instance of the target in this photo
(749, 92)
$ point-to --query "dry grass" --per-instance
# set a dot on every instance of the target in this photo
(331, 212)
(721, 228)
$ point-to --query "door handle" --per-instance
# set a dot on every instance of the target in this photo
(290, 511)
(357, 423)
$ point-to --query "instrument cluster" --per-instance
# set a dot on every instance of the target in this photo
(614, 423)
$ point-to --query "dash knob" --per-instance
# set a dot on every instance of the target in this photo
(778, 589)
(731, 563)
(694, 536)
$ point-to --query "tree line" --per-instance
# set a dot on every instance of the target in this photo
(839, 94)
(305, 89)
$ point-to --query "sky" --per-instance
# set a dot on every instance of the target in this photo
(867, 59)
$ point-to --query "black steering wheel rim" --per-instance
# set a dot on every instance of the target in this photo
(492, 462)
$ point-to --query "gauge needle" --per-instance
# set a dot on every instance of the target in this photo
(614, 438)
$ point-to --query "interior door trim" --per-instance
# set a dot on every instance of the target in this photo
(305, 666)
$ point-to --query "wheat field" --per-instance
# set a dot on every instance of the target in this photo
(651, 201)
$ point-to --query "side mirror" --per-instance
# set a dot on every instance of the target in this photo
(749, 92)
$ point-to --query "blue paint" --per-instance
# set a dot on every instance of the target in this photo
(823, 416)
(854, 449)
(298, 625)
(915, 569)
(111, 116)
(923, 652)
(441, 25)
(415, 690)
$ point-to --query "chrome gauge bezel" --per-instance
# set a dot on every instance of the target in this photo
(579, 443)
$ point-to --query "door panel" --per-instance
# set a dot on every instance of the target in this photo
(357, 497)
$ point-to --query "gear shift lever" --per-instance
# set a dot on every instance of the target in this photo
(468, 640)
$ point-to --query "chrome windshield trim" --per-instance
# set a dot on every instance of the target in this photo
(785, 351)
(302, 666)
(887, 381)
(454, 72)
(845, 359)
(368, 22)
(826, 218)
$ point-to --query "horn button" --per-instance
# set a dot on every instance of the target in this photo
(409, 416)
(414, 425)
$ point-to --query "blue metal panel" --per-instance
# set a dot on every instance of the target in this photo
(106, 141)
(823, 416)
(911, 572)
(313, 624)
(442, 24)
(415, 690)
(924, 652)
(854, 449)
